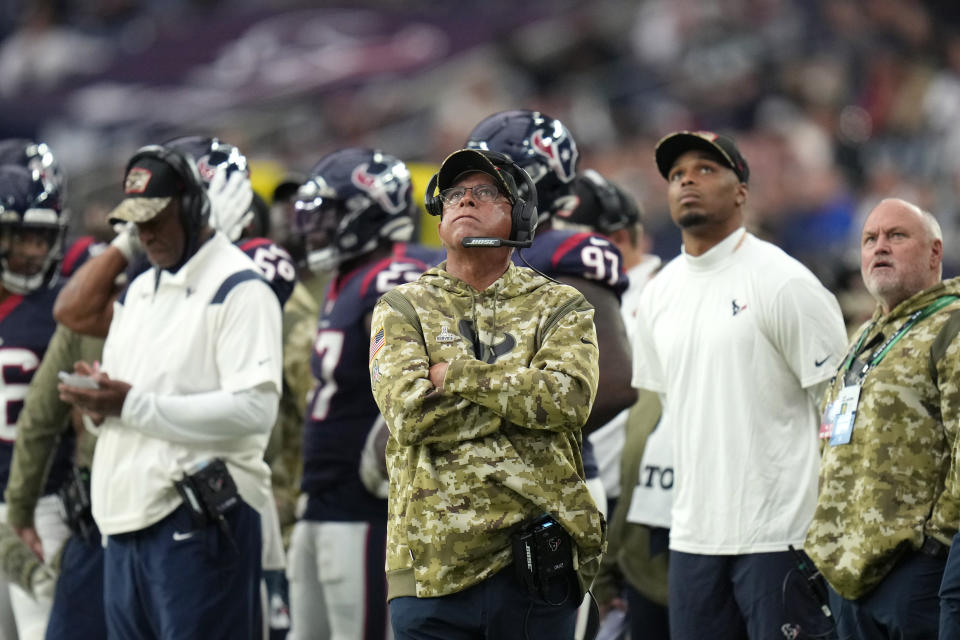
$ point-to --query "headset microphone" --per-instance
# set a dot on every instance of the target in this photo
(493, 242)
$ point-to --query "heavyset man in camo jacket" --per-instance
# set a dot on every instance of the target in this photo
(484, 378)
(889, 503)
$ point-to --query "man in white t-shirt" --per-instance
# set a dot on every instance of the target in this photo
(187, 394)
(739, 339)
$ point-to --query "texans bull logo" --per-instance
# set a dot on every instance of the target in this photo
(383, 187)
(560, 151)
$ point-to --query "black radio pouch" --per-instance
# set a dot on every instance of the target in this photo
(75, 497)
(208, 493)
(811, 602)
(543, 556)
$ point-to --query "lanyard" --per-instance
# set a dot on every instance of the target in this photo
(882, 350)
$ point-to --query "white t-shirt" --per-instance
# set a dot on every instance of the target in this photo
(213, 325)
(638, 277)
(735, 339)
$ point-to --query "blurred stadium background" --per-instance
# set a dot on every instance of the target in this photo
(835, 103)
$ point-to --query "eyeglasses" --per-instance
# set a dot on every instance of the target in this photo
(482, 192)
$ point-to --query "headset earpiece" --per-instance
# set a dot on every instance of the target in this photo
(524, 218)
(432, 201)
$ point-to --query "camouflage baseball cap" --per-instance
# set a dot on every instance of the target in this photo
(149, 186)
(674, 145)
(466, 161)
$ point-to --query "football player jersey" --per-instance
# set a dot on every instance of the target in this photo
(81, 250)
(577, 254)
(342, 410)
(565, 253)
(275, 264)
(26, 325)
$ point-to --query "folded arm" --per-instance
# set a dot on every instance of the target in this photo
(415, 411)
(555, 392)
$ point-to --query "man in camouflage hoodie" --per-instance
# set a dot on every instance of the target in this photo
(888, 507)
(485, 373)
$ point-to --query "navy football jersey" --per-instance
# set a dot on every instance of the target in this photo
(274, 263)
(342, 410)
(562, 253)
(577, 254)
(26, 326)
(81, 250)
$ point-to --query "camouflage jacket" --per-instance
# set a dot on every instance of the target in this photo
(43, 421)
(283, 450)
(501, 444)
(890, 486)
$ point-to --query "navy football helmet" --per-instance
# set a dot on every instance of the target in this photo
(353, 200)
(600, 205)
(36, 156)
(209, 154)
(541, 145)
(28, 213)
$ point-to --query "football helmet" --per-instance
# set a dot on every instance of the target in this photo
(353, 200)
(541, 145)
(600, 206)
(27, 209)
(36, 156)
(209, 154)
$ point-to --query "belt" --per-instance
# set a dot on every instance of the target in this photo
(934, 548)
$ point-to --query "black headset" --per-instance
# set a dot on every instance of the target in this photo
(523, 217)
(194, 204)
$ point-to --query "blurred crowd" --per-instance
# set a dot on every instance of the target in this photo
(837, 102)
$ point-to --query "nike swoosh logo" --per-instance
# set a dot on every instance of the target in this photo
(179, 537)
(817, 363)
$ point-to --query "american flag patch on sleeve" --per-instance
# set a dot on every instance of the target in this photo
(376, 343)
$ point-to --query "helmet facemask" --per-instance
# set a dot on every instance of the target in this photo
(22, 273)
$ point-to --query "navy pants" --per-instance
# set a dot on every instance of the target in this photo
(950, 594)
(759, 596)
(499, 607)
(904, 606)
(77, 612)
(648, 619)
(171, 581)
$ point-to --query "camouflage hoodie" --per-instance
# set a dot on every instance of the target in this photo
(501, 444)
(889, 487)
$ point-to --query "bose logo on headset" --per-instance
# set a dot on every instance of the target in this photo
(507, 173)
